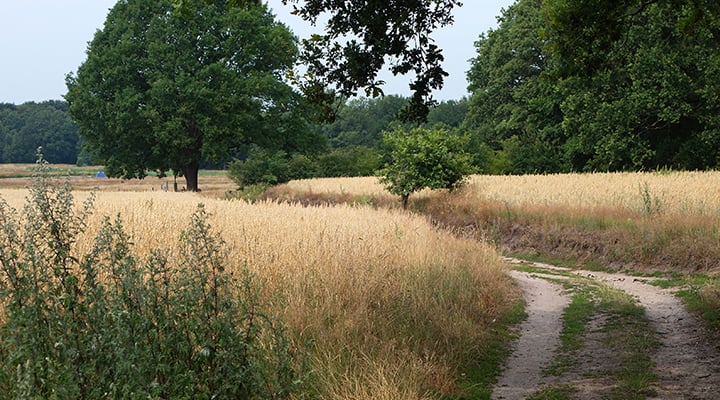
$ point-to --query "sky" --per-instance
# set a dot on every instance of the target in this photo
(41, 41)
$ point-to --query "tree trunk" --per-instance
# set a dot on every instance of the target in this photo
(191, 176)
(405, 199)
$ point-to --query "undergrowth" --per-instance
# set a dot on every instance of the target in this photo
(108, 324)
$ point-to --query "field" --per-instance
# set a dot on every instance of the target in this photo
(18, 176)
(655, 221)
(686, 193)
(383, 304)
(389, 304)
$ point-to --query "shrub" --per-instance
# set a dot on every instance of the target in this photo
(353, 161)
(260, 167)
(110, 324)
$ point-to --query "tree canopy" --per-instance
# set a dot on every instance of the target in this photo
(25, 127)
(651, 102)
(164, 91)
(585, 31)
(360, 36)
(424, 158)
(358, 40)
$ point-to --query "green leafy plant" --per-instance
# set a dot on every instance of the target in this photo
(651, 205)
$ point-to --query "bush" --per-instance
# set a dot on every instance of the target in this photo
(353, 161)
(260, 167)
(107, 324)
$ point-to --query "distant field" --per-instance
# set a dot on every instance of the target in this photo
(17, 176)
(27, 170)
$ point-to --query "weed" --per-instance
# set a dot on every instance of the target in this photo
(651, 204)
(556, 392)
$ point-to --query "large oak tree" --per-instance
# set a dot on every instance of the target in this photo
(167, 91)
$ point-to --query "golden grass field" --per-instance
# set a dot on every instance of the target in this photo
(694, 193)
(388, 306)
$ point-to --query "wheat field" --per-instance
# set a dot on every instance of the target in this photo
(677, 192)
(386, 305)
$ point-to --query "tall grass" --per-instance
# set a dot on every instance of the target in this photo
(648, 221)
(663, 221)
(384, 304)
(675, 192)
(106, 323)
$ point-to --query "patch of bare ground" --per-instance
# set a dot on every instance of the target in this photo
(539, 338)
(686, 364)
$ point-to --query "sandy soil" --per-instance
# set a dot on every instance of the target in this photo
(687, 365)
(539, 337)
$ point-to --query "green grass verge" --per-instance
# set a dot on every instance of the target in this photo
(629, 333)
(478, 378)
(575, 319)
(701, 294)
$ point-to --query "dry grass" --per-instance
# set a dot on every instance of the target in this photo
(390, 306)
(688, 193)
(666, 221)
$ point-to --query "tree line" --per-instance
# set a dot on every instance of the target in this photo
(25, 127)
(639, 93)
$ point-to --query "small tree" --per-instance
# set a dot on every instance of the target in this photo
(424, 158)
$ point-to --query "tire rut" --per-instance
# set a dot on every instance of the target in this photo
(539, 338)
(687, 364)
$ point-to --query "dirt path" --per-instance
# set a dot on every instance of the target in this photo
(539, 337)
(687, 365)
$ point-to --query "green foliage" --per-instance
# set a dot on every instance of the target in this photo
(360, 122)
(271, 168)
(398, 31)
(162, 90)
(107, 323)
(261, 166)
(450, 113)
(26, 127)
(424, 158)
(352, 161)
(515, 107)
(583, 33)
(556, 95)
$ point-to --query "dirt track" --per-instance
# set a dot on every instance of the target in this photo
(687, 364)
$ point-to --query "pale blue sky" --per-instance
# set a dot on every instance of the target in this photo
(43, 40)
